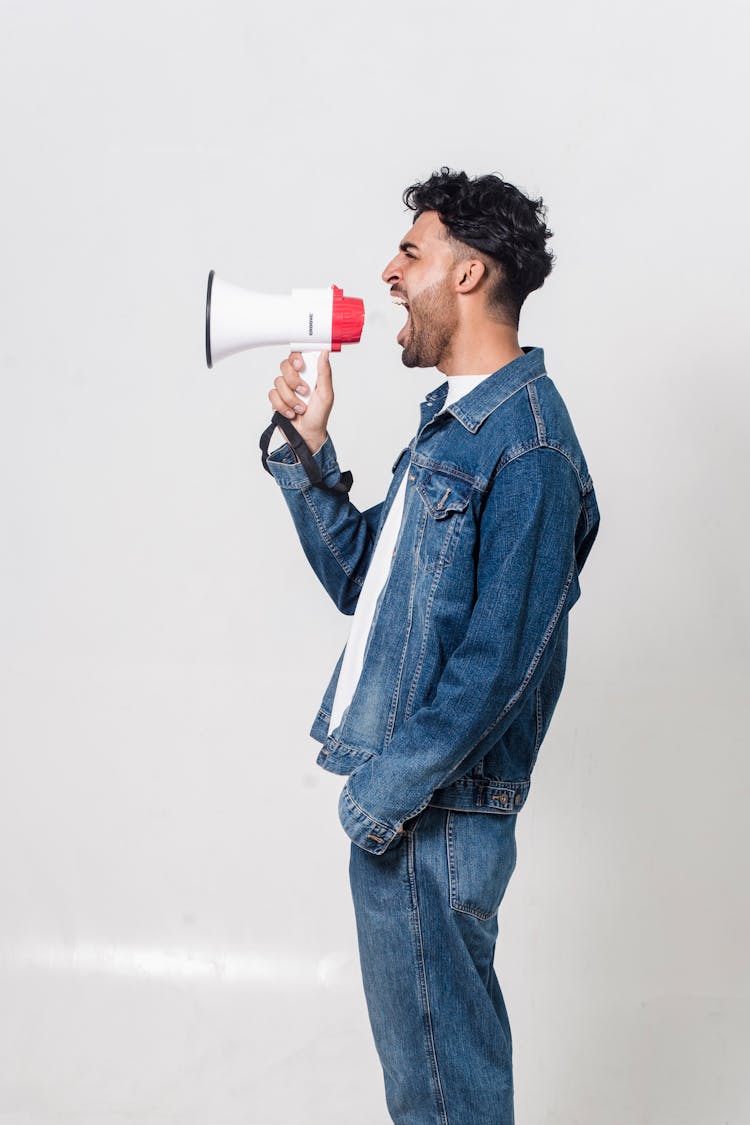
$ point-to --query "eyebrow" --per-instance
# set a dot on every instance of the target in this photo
(408, 246)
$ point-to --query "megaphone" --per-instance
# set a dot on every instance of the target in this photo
(307, 320)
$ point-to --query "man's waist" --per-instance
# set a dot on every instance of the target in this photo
(473, 793)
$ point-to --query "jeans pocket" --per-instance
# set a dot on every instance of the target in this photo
(481, 857)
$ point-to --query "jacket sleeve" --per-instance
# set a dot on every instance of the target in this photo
(336, 536)
(533, 533)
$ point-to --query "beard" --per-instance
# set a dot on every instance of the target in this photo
(433, 319)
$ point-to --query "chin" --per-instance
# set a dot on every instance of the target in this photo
(414, 359)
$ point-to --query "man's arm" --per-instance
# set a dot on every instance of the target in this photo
(336, 536)
(532, 536)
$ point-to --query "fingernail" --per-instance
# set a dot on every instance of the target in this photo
(300, 409)
(301, 389)
(289, 413)
(296, 363)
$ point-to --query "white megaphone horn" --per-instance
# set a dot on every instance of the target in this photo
(307, 320)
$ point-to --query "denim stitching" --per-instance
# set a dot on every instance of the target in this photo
(455, 903)
(328, 541)
(537, 655)
(473, 426)
(538, 739)
(339, 747)
(366, 815)
(528, 447)
(397, 689)
(422, 982)
(536, 411)
(450, 538)
(422, 462)
(327, 464)
(423, 646)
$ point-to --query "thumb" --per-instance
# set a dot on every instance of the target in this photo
(325, 378)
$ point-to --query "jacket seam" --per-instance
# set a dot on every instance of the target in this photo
(529, 448)
(423, 647)
(475, 422)
(539, 722)
(397, 689)
(536, 657)
(422, 462)
(536, 411)
(327, 539)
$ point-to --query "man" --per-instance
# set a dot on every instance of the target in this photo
(460, 583)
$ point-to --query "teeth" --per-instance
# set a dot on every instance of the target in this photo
(398, 300)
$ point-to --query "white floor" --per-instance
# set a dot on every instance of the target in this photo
(92, 1047)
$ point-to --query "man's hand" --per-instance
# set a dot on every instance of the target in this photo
(310, 419)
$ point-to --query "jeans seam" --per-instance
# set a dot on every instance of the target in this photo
(422, 985)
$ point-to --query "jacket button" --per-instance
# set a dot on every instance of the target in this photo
(411, 476)
(518, 798)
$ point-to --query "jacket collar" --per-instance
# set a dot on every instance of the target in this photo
(477, 405)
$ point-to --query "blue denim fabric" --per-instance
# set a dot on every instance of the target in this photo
(466, 655)
(427, 925)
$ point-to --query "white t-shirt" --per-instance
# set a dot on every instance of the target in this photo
(377, 576)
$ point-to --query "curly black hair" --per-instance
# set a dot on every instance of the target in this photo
(497, 219)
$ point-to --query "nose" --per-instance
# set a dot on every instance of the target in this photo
(391, 273)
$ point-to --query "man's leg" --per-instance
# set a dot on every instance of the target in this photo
(426, 916)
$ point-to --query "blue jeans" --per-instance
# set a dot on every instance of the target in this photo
(426, 913)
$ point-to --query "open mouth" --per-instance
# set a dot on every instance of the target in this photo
(401, 302)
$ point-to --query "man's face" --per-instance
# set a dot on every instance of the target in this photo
(420, 275)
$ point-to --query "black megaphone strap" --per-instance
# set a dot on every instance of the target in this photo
(310, 465)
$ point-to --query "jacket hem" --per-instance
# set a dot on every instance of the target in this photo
(486, 794)
(338, 758)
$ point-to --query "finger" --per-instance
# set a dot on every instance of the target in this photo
(324, 377)
(288, 396)
(292, 370)
(278, 403)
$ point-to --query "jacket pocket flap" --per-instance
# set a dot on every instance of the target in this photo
(443, 493)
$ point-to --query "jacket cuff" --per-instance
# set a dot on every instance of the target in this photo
(367, 833)
(290, 473)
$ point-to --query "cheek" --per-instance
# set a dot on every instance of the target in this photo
(429, 280)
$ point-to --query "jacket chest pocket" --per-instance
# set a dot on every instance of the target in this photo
(445, 500)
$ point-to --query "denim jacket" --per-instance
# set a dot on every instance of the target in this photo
(466, 654)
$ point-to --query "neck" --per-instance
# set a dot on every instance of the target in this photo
(480, 348)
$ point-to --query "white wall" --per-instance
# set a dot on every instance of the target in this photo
(176, 937)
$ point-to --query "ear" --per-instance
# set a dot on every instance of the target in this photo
(469, 272)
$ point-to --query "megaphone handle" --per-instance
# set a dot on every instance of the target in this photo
(309, 372)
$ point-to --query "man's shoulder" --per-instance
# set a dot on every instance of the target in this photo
(535, 417)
